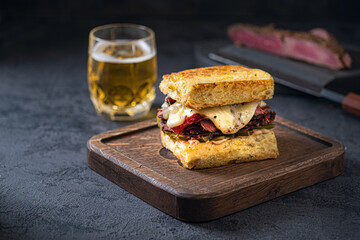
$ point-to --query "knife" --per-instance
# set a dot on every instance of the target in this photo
(317, 81)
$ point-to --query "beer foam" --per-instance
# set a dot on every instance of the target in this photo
(99, 55)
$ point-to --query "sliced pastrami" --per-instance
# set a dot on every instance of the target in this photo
(169, 100)
(197, 125)
(208, 125)
(188, 121)
(259, 111)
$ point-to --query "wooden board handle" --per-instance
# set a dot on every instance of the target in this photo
(351, 103)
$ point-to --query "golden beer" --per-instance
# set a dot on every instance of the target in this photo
(121, 76)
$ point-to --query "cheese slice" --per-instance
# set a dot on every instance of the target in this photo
(228, 119)
(231, 118)
(176, 114)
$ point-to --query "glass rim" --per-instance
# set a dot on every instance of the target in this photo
(118, 25)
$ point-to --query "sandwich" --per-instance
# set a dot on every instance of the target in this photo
(214, 116)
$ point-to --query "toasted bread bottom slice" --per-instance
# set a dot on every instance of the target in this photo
(195, 155)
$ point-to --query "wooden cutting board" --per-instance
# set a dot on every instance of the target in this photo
(133, 158)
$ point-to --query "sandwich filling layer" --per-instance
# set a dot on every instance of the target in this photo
(213, 123)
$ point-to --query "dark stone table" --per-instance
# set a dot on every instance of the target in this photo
(47, 191)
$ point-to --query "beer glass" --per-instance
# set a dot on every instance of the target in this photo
(122, 70)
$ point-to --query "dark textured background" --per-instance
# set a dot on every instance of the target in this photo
(250, 10)
(47, 190)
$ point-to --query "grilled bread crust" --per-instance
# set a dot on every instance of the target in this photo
(217, 86)
(196, 155)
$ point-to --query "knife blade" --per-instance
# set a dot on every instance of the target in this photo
(350, 102)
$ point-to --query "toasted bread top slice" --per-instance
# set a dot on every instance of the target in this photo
(217, 86)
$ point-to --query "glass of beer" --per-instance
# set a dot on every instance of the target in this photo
(122, 70)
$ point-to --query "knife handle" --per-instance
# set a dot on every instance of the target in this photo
(351, 103)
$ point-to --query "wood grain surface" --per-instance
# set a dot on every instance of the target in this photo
(133, 158)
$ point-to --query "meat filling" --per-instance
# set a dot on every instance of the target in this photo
(197, 125)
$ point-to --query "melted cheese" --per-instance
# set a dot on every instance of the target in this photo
(176, 114)
(231, 118)
(262, 104)
(228, 119)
